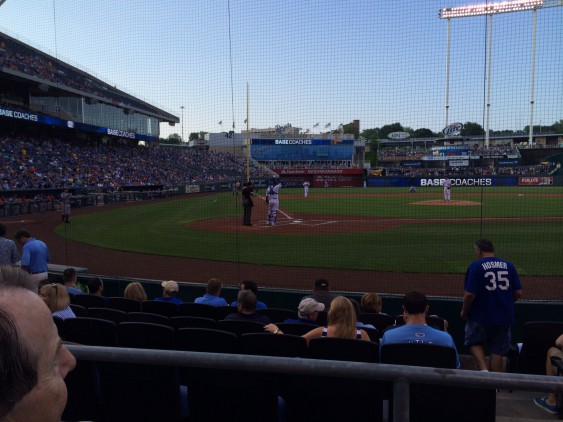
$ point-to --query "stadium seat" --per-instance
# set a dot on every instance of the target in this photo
(79, 310)
(114, 315)
(380, 321)
(206, 340)
(277, 314)
(320, 398)
(90, 331)
(139, 392)
(84, 396)
(148, 317)
(240, 327)
(297, 329)
(197, 309)
(346, 349)
(222, 311)
(166, 309)
(436, 322)
(268, 344)
(88, 301)
(426, 399)
(178, 322)
(373, 334)
(124, 304)
(538, 337)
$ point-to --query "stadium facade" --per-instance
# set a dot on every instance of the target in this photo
(37, 88)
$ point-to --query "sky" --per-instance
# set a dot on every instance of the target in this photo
(304, 61)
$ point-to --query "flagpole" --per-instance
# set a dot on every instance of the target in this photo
(247, 138)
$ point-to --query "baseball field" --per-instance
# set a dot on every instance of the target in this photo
(385, 239)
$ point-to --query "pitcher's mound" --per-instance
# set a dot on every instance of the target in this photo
(440, 202)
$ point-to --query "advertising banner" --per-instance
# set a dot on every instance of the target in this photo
(535, 181)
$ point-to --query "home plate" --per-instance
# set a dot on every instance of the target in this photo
(296, 221)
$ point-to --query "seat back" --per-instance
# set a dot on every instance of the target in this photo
(145, 335)
(88, 301)
(192, 322)
(90, 331)
(436, 322)
(418, 354)
(380, 321)
(142, 392)
(222, 311)
(267, 344)
(147, 317)
(240, 327)
(373, 333)
(167, 309)
(206, 340)
(124, 304)
(539, 336)
(114, 315)
(197, 309)
(277, 314)
(297, 329)
(79, 310)
(333, 348)
(425, 399)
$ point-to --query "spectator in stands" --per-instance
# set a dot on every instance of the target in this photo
(57, 299)
(14, 276)
(35, 256)
(70, 280)
(212, 294)
(307, 311)
(549, 402)
(322, 294)
(415, 330)
(492, 286)
(135, 290)
(170, 290)
(246, 306)
(371, 303)
(34, 362)
(8, 251)
(96, 286)
(252, 286)
(359, 323)
(341, 323)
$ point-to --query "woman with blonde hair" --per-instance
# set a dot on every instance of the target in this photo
(371, 303)
(57, 299)
(135, 291)
(341, 323)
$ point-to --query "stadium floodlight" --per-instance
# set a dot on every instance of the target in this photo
(490, 9)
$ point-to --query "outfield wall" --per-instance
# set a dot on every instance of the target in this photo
(465, 181)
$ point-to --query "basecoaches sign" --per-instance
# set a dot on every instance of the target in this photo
(460, 181)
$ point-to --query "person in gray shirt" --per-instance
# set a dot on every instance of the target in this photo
(9, 254)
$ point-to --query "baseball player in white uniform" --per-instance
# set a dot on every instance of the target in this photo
(306, 185)
(447, 189)
(65, 205)
(272, 198)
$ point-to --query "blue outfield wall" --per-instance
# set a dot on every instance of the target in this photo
(461, 181)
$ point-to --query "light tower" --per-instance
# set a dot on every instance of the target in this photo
(182, 107)
(489, 10)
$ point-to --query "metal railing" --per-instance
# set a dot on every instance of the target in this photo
(400, 376)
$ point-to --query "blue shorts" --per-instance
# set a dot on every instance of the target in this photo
(497, 338)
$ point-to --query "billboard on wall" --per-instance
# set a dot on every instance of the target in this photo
(535, 181)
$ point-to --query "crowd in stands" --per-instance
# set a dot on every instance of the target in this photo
(342, 314)
(19, 57)
(532, 170)
(34, 163)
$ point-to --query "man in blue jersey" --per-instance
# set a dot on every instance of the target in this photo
(491, 287)
(415, 330)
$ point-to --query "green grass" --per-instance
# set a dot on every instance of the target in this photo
(441, 245)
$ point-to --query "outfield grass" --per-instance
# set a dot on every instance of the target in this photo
(441, 245)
